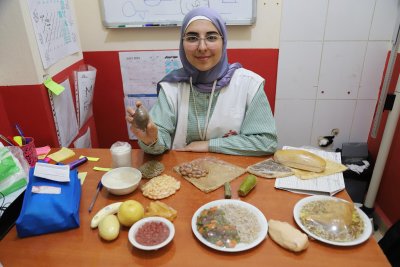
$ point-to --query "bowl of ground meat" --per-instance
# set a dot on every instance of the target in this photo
(151, 233)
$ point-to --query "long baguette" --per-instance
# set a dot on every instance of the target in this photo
(300, 159)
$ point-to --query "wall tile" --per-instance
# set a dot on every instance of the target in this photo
(330, 114)
(303, 20)
(341, 68)
(349, 19)
(374, 64)
(384, 20)
(298, 70)
(294, 121)
(362, 121)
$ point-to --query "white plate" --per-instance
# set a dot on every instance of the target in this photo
(363, 237)
(240, 246)
(135, 227)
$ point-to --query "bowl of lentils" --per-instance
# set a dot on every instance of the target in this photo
(151, 233)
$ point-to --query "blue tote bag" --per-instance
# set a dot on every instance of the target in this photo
(47, 213)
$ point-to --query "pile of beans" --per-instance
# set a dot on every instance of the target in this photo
(152, 233)
(192, 170)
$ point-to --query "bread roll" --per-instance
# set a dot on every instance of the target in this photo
(270, 169)
(287, 236)
(300, 159)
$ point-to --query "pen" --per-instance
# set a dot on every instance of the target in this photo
(5, 139)
(19, 130)
(99, 187)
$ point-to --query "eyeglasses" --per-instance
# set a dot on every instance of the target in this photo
(194, 40)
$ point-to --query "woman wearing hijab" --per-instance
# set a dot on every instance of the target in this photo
(208, 105)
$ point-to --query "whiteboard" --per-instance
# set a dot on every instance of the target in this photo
(159, 13)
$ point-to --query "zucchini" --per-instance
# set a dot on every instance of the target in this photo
(228, 192)
(248, 183)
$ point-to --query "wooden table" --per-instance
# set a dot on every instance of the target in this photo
(84, 247)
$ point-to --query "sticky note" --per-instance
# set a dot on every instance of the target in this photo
(90, 158)
(82, 176)
(42, 150)
(102, 169)
(62, 154)
(18, 140)
(53, 86)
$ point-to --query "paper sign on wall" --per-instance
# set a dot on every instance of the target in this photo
(55, 30)
(64, 115)
(84, 89)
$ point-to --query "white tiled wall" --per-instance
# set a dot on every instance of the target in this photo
(331, 114)
(341, 68)
(294, 119)
(300, 69)
(375, 58)
(361, 123)
(305, 20)
(349, 19)
(384, 20)
(331, 60)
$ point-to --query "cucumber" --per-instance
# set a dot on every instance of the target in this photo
(248, 183)
(228, 193)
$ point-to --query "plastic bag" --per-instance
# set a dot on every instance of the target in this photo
(332, 220)
(13, 170)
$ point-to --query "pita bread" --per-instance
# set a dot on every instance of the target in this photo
(219, 172)
(270, 169)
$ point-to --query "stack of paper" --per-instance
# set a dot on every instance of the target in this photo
(326, 185)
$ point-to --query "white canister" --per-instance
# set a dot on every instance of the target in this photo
(121, 153)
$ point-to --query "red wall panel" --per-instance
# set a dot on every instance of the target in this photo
(388, 196)
(29, 106)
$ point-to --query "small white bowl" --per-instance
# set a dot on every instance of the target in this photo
(121, 181)
(136, 226)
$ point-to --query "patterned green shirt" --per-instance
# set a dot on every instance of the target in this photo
(257, 135)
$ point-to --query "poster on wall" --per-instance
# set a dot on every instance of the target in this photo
(55, 29)
(141, 71)
(64, 115)
(84, 89)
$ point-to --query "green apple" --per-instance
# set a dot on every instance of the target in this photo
(130, 212)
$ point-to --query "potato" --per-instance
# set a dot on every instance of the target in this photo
(109, 227)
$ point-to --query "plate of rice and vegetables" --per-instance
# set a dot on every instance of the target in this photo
(229, 225)
(332, 220)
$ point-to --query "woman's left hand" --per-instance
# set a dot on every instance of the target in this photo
(197, 146)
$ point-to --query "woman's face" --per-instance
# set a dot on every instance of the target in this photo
(205, 53)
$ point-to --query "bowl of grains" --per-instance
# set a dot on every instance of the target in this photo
(151, 233)
(122, 180)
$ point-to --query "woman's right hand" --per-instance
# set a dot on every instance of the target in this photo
(149, 135)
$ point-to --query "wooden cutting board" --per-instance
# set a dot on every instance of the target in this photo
(219, 172)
